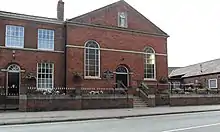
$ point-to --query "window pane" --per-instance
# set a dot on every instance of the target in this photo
(92, 59)
(149, 71)
(150, 76)
(14, 36)
(45, 75)
(91, 73)
(212, 83)
(45, 39)
(149, 50)
(176, 85)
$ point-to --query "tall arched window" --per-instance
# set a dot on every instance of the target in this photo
(149, 65)
(92, 59)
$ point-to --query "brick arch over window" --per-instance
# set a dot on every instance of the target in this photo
(92, 59)
(149, 64)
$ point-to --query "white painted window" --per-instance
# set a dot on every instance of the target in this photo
(149, 64)
(92, 59)
(169, 85)
(14, 36)
(176, 84)
(212, 83)
(45, 75)
(122, 19)
(45, 39)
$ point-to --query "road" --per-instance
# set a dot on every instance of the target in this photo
(194, 122)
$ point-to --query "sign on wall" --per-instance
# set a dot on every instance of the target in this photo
(108, 74)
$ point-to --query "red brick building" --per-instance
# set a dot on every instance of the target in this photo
(47, 52)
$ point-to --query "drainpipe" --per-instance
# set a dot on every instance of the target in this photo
(65, 54)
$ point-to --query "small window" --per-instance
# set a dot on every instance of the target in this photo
(45, 75)
(45, 39)
(122, 19)
(14, 36)
(176, 84)
(212, 83)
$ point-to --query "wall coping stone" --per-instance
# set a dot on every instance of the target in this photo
(195, 96)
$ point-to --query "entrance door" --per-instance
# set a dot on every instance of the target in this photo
(13, 80)
(122, 76)
(13, 84)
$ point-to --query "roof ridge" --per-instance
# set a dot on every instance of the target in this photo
(196, 68)
(146, 18)
(131, 7)
(99, 9)
(15, 13)
(201, 63)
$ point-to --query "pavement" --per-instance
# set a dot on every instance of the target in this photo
(189, 122)
(12, 118)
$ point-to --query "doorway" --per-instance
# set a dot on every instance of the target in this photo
(122, 76)
(13, 78)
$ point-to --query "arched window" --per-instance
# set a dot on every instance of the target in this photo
(149, 65)
(122, 69)
(14, 68)
(92, 59)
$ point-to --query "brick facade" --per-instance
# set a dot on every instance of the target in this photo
(119, 46)
(110, 60)
(28, 57)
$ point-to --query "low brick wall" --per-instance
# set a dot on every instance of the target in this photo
(183, 100)
(8, 102)
(65, 102)
(106, 102)
(162, 99)
(49, 103)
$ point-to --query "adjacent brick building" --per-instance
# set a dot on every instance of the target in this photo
(111, 44)
(205, 74)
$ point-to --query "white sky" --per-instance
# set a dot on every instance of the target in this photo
(193, 25)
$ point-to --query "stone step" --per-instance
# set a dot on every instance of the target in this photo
(138, 102)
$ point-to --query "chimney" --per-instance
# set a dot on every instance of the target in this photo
(60, 10)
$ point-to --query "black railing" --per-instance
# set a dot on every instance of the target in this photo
(9, 98)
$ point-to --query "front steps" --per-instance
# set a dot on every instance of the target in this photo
(138, 102)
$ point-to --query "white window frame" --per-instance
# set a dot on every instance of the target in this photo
(170, 85)
(7, 38)
(99, 52)
(46, 40)
(176, 84)
(145, 63)
(126, 19)
(216, 83)
(52, 76)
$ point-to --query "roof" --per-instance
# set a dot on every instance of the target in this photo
(208, 67)
(170, 69)
(78, 18)
(29, 17)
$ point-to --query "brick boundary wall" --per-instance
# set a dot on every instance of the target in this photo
(186, 100)
(65, 102)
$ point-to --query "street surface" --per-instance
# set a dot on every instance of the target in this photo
(194, 122)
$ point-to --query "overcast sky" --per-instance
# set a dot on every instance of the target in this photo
(193, 25)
